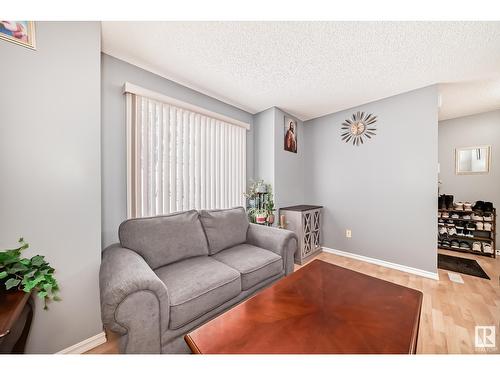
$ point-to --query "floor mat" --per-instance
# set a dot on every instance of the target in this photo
(461, 265)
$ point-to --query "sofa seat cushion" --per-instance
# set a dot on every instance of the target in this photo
(162, 240)
(224, 228)
(253, 263)
(196, 286)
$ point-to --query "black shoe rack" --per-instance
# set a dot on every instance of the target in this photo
(478, 235)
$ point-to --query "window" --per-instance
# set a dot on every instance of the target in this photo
(181, 157)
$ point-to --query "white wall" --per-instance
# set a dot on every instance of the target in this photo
(480, 129)
(50, 171)
(385, 191)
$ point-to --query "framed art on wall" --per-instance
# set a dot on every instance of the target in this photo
(290, 135)
(18, 32)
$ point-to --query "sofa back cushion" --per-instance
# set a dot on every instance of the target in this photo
(162, 240)
(224, 228)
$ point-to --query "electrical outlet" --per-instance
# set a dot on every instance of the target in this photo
(348, 233)
(498, 252)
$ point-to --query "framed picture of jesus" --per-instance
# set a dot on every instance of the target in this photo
(290, 135)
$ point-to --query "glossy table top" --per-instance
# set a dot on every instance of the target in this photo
(319, 309)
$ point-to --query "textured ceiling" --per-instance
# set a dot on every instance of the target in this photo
(468, 98)
(314, 68)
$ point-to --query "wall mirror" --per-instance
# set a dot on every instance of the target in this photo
(473, 160)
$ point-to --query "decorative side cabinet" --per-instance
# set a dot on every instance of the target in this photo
(305, 221)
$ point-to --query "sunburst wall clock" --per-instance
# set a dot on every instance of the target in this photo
(360, 126)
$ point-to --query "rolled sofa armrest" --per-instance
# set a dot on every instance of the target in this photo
(280, 241)
(134, 301)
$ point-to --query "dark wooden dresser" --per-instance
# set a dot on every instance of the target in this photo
(16, 313)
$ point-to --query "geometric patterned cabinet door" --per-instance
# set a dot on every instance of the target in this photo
(305, 221)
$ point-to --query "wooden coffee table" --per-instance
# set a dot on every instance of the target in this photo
(319, 309)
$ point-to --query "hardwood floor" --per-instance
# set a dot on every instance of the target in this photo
(450, 311)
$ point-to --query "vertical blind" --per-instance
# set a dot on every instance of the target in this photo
(180, 159)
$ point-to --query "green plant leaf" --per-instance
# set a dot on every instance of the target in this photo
(42, 294)
(11, 283)
(30, 274)
(16, 268)
(25, 261)
(47, 287)
(10, 260)
(3, 275)
(37, 260)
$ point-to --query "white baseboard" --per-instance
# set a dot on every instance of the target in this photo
(85, 345)
(383, 263)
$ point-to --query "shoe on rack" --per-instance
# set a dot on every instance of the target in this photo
(467, 206)
(488, 207)
(445, 215)
(460, 225)
(448, 201)
(460, 232)
(488, 216)
(445, 243)
(439, 214)
(469, 234)
(487, 226)
(458, 206)
(452, 231)
(479, 225)
(455, 244)
(443, 231)
(443, 205)
(450, 223)
(476, 246)
(455, 216)
(470, 226)
(477, 217)
(464, 245)
(487, 248)
(440, 222)
(478, 206)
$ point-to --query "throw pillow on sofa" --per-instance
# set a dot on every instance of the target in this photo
(163, 240)
(224, 228)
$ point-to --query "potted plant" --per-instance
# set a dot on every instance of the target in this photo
(251, 193)
(27, 275)
(251, 214)
(260, 216)
(270, 211)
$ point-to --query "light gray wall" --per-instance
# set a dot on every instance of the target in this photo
(480, 129)
(289, 184)
(50, 171)
(263, 123)
(385, 191)
(284, 170)
(115, 73)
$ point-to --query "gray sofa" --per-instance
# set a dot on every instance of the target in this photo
(170, 274)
